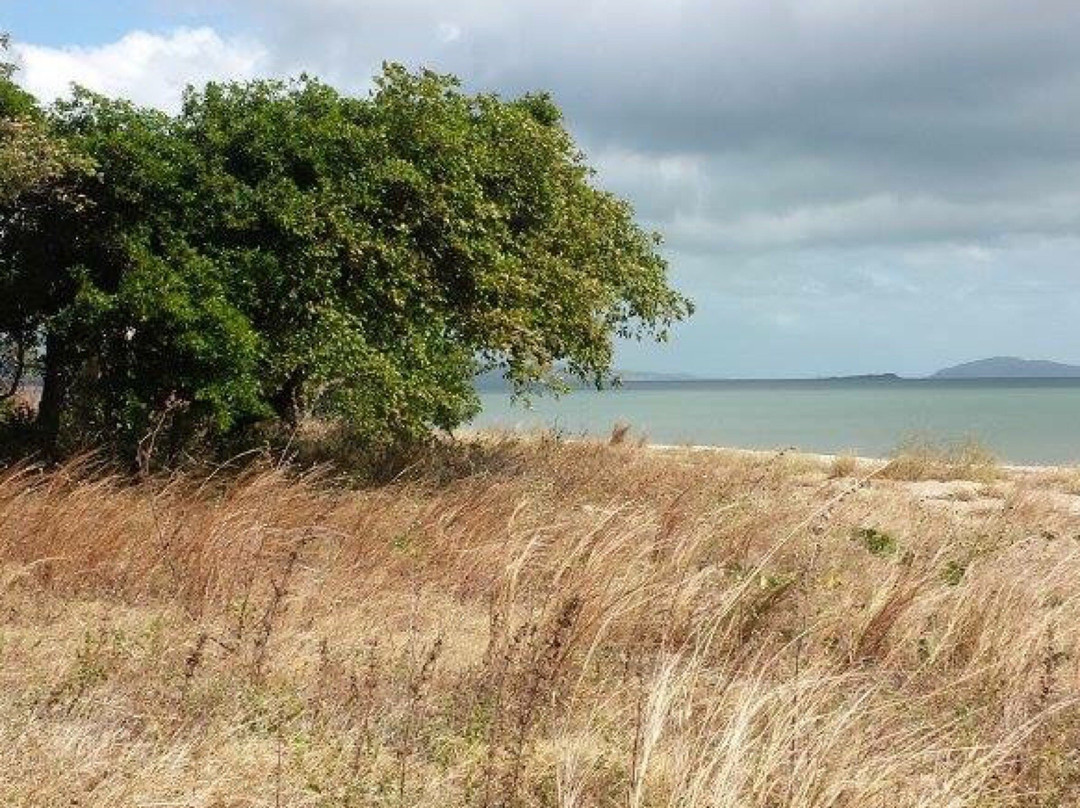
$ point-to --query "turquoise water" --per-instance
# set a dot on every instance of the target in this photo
(1022, 421)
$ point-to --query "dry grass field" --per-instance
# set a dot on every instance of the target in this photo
(538, 623)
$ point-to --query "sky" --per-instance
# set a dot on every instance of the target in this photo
(844, 186)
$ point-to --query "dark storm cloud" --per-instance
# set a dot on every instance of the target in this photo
(738, 123)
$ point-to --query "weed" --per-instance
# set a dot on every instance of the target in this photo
(877, 542)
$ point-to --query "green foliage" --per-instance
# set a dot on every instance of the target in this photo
(36, 169)
(28, 156)
(278, 251)
(13, 101)
(954, 572)
(877, 542)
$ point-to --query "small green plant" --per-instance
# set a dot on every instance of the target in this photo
(878, 542)
(954, 573)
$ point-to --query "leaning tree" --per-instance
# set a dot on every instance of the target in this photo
(278, 251)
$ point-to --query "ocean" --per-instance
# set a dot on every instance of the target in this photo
(1023, 421)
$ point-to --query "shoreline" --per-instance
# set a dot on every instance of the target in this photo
(964, 489)
(820, 457)
(1027, 468)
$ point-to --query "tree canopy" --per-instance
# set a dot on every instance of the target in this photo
(30, 158)
(35, 172)
(278, 250)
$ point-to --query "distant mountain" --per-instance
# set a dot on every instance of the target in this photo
(1010, 367)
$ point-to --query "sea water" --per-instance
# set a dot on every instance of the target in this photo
(1021, 421)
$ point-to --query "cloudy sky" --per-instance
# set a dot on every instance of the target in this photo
(845, 186)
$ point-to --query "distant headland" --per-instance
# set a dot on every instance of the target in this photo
(1009, 367)
(996, 367)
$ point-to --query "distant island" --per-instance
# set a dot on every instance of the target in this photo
(1010, 367)
(863, 377)
(996, 367)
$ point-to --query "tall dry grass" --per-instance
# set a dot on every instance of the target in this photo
(534, 623)
(921, 458)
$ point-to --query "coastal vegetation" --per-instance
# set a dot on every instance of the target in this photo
(920, 457)
(277, 252)
(539, 623)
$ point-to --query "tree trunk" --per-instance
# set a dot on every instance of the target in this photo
(18, 367)
(286, 400)
(54, 389)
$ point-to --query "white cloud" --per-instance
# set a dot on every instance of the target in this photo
(149, 69)
(448, 32)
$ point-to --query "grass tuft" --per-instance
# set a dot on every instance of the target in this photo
(920, 458)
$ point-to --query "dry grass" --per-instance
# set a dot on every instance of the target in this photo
(538, 624)
(1066, 479)
(844, 465)
(919, 458)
